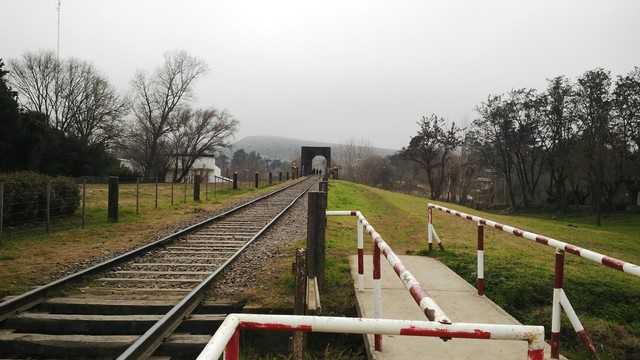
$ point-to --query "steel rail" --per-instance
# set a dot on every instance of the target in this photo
(153, 338)
(38, 295)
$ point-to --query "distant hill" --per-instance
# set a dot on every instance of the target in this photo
(276, 147)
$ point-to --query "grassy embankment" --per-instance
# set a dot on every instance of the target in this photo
(518, 272)
(30, 257)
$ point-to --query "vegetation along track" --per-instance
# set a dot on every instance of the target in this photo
(147, 302)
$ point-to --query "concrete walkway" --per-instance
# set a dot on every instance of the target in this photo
(454, 295)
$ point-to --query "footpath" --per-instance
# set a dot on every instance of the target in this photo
(457, 298)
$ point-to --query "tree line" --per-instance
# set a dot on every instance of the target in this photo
(575, 143)
(65, 112)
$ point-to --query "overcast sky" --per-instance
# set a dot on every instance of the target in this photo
(338, 70)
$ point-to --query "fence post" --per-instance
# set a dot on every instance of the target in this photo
(137, 195)
(316, 224)
(185, 191)
(48, 204)
(480, 259)
(1, 208)
(196, 187)
(323, 186)
(172, 186)
(156, 192)
(113, 199)
(299, 302)
(280, 176)
(256, 181)
(206, 190)
(287, 176)
(377, 293)
(270, 178)
(235, 180)
(84, 201)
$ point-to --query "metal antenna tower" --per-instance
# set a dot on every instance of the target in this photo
(58, 45)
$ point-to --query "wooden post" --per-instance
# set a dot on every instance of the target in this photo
(316, 224)
(156, 192)
(113, 199)
(48, 204)
(323, 186)
(256, 181)
(280, 176)
(270, 178)
(299, 303)
(235, 181)
(1, 207)
(197, 179)
(84, 202)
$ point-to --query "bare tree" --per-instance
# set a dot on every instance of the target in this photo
(155, 97)
(431, 149)
(350, 156)
(35, 77)
(77, 99)
(197, 133)
(626, 105)
(593, 110)
(560, 137)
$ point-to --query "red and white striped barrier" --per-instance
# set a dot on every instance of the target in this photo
(428, 306)
(560, 300)
(226, 339)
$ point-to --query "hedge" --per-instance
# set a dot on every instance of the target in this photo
(25, 196)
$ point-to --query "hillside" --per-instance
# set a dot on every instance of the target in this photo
(275, 147)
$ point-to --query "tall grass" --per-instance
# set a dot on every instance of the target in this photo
(518, 272)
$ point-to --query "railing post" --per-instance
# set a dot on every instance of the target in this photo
(377, 293)
(360, 253)
(480, 259)
(558, 279)
(430, 228)
(232, 350)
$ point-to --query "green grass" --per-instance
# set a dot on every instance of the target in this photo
(29, 256)
(518, 272)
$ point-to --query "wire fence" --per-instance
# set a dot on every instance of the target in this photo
(44, 208)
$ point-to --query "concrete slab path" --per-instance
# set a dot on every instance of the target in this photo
(457, 298)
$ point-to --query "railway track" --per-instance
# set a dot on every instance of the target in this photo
(147, 302)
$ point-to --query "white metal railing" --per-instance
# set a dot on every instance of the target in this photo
(226, 340)
(560, 300)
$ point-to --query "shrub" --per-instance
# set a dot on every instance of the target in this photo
(25, 196)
